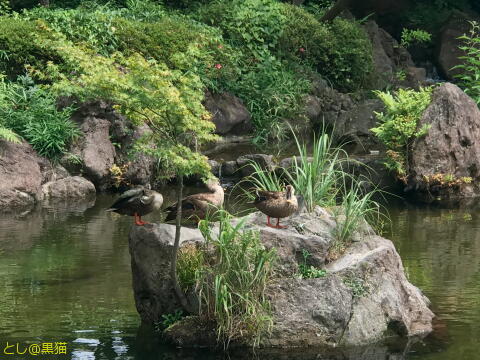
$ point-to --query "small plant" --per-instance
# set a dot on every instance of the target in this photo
(309, 271)
(358, 286)
(261, 179)
(117, 174)
(446, 180)
(410, 37)
(172, 318)
(232, 288)
(398, 126)
(190, 262)
(469, 78)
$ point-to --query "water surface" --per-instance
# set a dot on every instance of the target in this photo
(65, 276)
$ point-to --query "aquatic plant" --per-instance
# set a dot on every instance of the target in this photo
(232, 286)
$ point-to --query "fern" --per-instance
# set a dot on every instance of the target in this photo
(9, 135)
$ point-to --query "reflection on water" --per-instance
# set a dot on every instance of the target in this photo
(65, 276)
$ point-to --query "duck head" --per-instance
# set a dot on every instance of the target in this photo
(152, 198)
(289, 192)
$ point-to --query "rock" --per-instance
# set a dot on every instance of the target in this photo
(450, 146)
(150, 249)
(364, 298)
(388, 56)
(448, 51)
(228, 113)
(263, 160)
(20, 175)
(95, 149)
(72, 187)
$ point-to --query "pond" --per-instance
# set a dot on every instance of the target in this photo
(65, 277)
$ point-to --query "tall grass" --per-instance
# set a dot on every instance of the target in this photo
(317, 177)
(232, 286)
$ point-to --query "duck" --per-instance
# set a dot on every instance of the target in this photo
(276, 204)
(137, 203)
(197, 206)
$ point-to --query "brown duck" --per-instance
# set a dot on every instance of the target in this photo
(197, 206)
(277, 204)
(137, 202)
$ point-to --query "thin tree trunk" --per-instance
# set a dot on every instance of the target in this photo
(173, 264)
(336, 10)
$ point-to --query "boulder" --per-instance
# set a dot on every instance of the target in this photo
(388, 56)
(448, 51)
(450, 151)
(364, 298)
(228, 113)
(95, 149)
(20, 175)
(263, 160)
(72, 187)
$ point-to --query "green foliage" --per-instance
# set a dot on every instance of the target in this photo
(181, 44)
(190, 261)
(358, 286)
(31, 112)
(317, 176)
(470, 68)
(232, 287)
(410, 37)
(357, 206)
(19, 44)
(262, 179)
(272, 93)
(172, 318)
(94, 27)
(8, 135)
(398, 126)
(340, 51)
(309, 271)
(145, 91)
(254, 25)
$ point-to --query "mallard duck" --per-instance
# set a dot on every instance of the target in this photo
(137, 202)
(277, 204)
(196, 206)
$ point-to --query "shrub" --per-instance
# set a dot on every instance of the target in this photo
(253, 25)
(398, 126)
(410, 36)
(233, 285)
(32, 113)
(182, 44)
(272, 93)
(469, 78)
(94, 27)
(340, 51)
(20, 46)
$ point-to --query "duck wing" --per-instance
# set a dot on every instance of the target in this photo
(127, 198)
(263, 195)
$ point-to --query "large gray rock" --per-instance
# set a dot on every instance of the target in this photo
(228, 113)
(448, 51)
(364, 298)
(20, 175)
(150, 249)
(72, 187)
(95, 149)
(450, 147)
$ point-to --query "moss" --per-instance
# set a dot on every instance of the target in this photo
(341, 51)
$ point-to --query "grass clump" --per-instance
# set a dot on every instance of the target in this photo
(190, 261)
(317, 177)
(31, 112)
(398, 125)
(232, 286)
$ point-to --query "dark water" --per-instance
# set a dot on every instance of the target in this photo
(65, 277)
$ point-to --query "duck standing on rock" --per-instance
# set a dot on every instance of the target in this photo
(197, 206)
(137, 202)
(277, 204)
